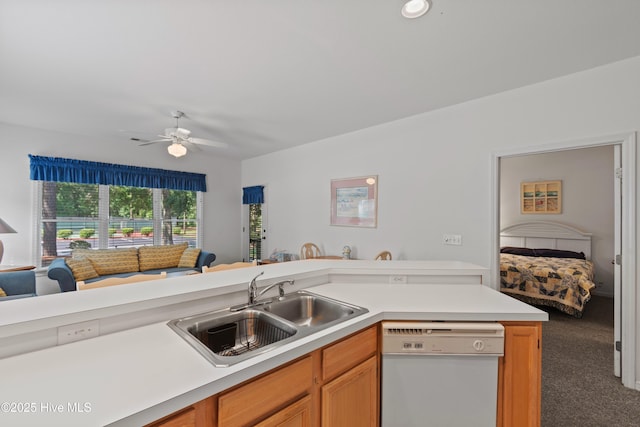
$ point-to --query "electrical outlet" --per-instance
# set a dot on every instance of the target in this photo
(397, 279)
(78, 331)
(452, 239)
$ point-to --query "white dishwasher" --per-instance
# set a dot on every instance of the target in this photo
(441, 374)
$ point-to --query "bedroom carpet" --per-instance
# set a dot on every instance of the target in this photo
(578, 385)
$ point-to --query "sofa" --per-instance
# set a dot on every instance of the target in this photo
(17, 284)
(92, 265)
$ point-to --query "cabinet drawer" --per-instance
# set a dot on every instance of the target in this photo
(349, 352)
(250, 402)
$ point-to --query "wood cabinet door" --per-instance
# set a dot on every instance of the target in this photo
(200, 414)
(297, 414)
(351, 400)
(520, 375)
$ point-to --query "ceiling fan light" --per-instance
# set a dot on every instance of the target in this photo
(415, 8)
(177, 150)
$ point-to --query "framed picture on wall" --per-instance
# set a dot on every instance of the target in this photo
(354, 201)
(541, 197)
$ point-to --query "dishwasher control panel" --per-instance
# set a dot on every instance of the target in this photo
(463, 338)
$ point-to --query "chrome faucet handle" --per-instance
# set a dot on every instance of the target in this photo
(281, 287)
(253, 289)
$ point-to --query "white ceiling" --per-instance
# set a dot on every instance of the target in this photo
(268, 75)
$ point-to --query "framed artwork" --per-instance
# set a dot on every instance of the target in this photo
(354, 201)
(541, 197)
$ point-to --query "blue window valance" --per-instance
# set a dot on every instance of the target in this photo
(85, 172)
(253, 195)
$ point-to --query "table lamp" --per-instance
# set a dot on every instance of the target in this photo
(4, 228)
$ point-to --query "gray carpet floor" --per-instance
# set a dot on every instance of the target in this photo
(578, 385)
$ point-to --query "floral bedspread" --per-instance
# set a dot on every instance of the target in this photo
(563, 283)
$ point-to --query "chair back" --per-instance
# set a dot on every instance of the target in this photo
(383, 256)
(233, 266)
(309, 250)
(111, 281)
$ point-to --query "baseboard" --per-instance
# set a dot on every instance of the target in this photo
(603, 294)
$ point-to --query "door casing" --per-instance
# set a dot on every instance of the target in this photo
(627, 142)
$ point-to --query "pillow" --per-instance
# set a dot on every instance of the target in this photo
(157, 257)
(2, 293)
(551, 253)
(82, 268)
(559, 253)
(189, 258)
(517, 251)
(110, 261)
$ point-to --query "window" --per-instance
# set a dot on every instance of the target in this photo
(75, 214)
(71, 217)
(255, 231)
(253, 199)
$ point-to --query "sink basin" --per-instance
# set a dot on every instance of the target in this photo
(311, 310)
(226, 337)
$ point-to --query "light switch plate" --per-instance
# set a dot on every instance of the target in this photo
(397, 279)
(78, 331)
(452, 239)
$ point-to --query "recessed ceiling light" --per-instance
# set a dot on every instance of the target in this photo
(415, 8)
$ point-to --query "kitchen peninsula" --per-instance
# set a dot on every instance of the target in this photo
(137, 370)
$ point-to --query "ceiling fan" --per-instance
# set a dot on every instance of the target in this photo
(180, 139)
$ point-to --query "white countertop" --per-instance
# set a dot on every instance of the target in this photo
(138, 375)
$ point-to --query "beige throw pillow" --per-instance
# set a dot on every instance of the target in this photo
(189, 258)
(81, 268)
(110, 261)
(158, 257)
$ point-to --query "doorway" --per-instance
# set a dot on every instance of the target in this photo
(626, 313)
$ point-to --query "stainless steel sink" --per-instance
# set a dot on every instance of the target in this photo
(227, 337)
(311, 310)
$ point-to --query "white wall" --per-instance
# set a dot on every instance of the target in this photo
(587, 198)
(435, 169)
(221, 201)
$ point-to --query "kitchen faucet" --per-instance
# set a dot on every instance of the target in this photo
(254, 294)
(253, 289)
(280, 286)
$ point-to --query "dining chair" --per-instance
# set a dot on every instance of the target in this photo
(309, 250)
(383, 256)
(81, 285)
(232, 266)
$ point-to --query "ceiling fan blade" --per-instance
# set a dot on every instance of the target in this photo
(187, 143)
(179, 133)
(144, 142)
(208, 143)
(183, 133)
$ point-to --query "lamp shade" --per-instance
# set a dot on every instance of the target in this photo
(6, 228)
(177, 150)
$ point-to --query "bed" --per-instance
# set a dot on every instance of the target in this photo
(547, 263)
